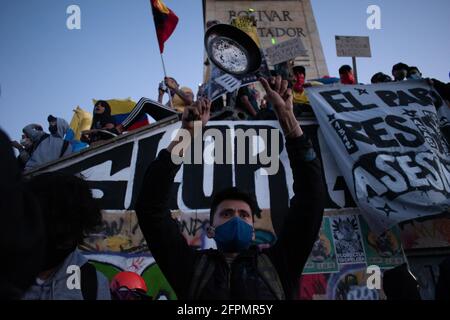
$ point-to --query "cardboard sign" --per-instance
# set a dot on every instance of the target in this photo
(353, 47)
(285, 51)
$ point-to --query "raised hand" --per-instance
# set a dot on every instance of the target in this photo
(199, 111)
(280, 96)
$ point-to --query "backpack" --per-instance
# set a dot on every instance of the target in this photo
(205, 268)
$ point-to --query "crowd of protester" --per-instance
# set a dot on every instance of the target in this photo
(64, 212)
(61, 210)
(38, 147)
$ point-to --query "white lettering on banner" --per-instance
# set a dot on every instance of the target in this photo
(388, 145)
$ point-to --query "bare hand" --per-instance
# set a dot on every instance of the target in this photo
(194, 116)
(199, 111)
(278, 94)
(17, 145)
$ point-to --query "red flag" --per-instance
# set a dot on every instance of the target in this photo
(165, 22)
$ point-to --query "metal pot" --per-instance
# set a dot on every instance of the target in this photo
(232, 50)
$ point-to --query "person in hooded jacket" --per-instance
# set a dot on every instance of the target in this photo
(51, 147)
(69, 213)
(102, 124)
(32, 135)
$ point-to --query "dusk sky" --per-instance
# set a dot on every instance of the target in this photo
(47, 69)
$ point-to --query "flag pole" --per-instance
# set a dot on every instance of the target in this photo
(165, 76)
(161, 44)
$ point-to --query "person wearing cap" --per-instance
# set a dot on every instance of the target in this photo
(128, 285)
(236, 269)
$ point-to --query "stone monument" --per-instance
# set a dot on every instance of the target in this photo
(278, 21)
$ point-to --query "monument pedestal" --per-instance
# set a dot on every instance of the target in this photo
(280, 20)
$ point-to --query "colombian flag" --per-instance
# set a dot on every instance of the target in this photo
(165, 22)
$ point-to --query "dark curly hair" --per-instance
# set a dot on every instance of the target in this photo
(69, 211)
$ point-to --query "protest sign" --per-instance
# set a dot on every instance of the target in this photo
(353, 47)
(388, 146)
(285, 51)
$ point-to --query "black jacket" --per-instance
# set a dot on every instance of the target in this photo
(23, 230)
(289, 254)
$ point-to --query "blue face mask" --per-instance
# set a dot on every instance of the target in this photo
(234, 235)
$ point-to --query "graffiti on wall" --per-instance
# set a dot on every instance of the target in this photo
(337, 266)
(433, 233)
(115, 172)
(119, 232)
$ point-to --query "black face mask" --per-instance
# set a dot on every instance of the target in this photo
(53, 129)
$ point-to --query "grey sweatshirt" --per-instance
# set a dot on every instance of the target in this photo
(50, 149)
(56, 288)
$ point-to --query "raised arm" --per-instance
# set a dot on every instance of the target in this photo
(303, 221)
(163, 236)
